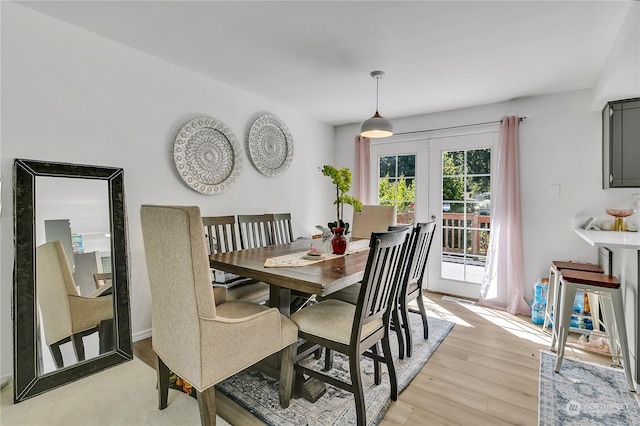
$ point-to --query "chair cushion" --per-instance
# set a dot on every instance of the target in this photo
(348, 294)
(256, 292)
(332, 320)
(239, 309)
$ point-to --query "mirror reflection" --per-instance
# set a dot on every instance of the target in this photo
(71, 280)
(73, 271)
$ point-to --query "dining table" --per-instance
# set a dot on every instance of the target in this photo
(321, 277)
(290, 272)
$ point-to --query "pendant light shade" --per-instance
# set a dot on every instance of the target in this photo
(376, 126)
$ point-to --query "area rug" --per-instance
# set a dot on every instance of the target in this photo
(259, 394)
(584, 394)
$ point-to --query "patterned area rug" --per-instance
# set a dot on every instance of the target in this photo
(259, 394)
(584, 394)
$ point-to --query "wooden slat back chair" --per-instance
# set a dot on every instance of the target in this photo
(356, 330)
(221, 235)
(197, 339)
(281, 230)
(255, 230)
(411, 284)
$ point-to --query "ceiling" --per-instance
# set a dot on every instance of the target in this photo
(316, 56)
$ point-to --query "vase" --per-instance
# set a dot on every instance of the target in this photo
(339, 241)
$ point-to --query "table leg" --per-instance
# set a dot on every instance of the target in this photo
(280, 298)
(310, 389)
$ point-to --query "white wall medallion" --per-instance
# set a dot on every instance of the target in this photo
(270, 145)
(207, 155)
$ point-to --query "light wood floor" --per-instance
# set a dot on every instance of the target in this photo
(484, 373)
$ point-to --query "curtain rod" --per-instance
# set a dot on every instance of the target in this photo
(457, 127)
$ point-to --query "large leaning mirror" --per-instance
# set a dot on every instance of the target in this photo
(71, 293)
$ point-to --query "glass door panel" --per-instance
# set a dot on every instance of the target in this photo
(461, 184)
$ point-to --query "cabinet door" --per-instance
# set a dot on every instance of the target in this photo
(631, 145)
(621, 137)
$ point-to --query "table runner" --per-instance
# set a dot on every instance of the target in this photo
(299, 259)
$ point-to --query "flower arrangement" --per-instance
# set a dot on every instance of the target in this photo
(341, 178)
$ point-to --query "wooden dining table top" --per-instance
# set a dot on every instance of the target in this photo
(320, 278)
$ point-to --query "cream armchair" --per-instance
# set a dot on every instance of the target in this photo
(65, 315)
(198, 340)
(372, 218)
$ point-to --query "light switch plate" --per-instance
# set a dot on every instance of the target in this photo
(554, 190)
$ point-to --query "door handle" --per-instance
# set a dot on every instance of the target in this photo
(433, 217)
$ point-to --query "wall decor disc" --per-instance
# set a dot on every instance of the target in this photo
(207, 155)
(270, 145)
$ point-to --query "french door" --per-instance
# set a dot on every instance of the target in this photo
(452, 185)
(460, 202)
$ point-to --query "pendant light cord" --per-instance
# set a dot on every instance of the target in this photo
(377, 90)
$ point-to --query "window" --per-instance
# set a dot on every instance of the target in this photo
(466, 209)
(397, 185)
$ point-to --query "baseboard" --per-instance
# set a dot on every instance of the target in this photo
(5, 381)
(458, 300)
(141, 335)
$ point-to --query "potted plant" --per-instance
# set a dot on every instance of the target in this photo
(341, 178)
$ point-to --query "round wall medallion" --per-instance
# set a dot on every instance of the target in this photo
(207, 155)
(270, 145)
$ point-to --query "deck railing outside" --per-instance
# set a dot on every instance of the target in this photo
(477, 233)
(453, 233)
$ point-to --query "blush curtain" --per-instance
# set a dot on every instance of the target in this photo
(503, 281)
(361, 187)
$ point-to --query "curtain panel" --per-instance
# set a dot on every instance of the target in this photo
(362, 172)
(503, 281)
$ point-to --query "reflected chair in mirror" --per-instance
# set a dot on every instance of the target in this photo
(101, 279)
(372, 219)
(221, 236)
(200, 341)
(356, 330)
(255, 230)
(281, 230)
(67, 316)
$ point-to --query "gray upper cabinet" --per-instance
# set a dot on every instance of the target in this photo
(621, 144)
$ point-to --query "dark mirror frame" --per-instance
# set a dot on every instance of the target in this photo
(27, 381)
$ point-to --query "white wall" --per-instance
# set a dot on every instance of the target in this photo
(560, 143)
(69, 95)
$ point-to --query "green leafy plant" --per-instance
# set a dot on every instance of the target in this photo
(341, 178)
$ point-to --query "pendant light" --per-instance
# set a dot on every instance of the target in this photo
(377, 126)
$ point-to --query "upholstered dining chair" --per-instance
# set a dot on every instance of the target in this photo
(67, 316)
(281, 230)
(372, 218)
(255, 230)
(221, 236)
(356, 330)
(199, 340)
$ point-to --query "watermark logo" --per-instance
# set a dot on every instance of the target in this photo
(573, 408)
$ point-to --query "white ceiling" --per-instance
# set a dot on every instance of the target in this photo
(315, 56)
